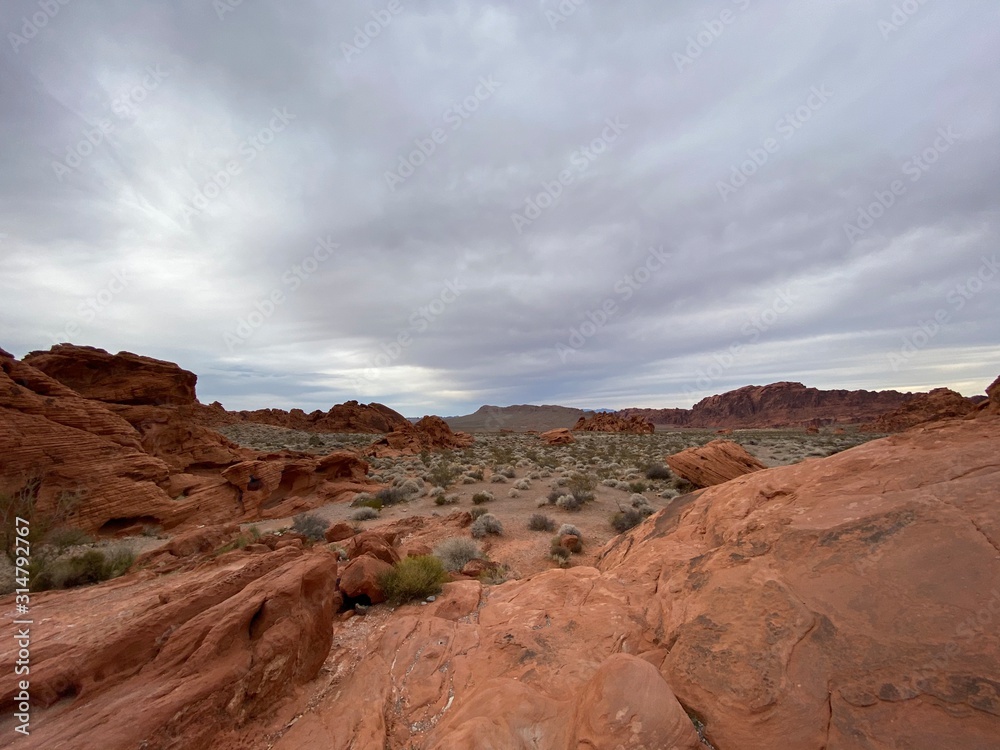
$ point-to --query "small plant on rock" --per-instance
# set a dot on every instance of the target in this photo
(413, 578)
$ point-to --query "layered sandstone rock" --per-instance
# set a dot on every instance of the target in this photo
(430, 433)
(171, 662)
(941, 403)
(715, 463)
(778, 405)
(107, 467)
(122, 378)
(612, 422)
(561, 436)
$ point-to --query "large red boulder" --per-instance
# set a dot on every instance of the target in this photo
(715, 463)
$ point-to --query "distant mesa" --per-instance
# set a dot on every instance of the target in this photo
(520, 418)
(941, 403)
(349, 416)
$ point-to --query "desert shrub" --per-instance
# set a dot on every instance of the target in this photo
(498, 479)
(312, 526)
(364, 514)
(669, 494)
(560, 555)
(486, 524)
(569, 502)
(637, 487)
(569, 529)
(625, 519)
(446, 499)
(393, 495)
(68, 536)
(540, 522)
(93, 566)
(455, 552)
(638, 500)
(482, 497)
(413, 578)
(436, 491)
(477, 512)
(561, 482)
(580, 484)
(610, 482)
(658, 471)
(442, 474)
(522, 484)
(315, 441)
(512, 492)
(553, 497)
(508, 471)
(495, 575)
(366, 500)
(475, 474)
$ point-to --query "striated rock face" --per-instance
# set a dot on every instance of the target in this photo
(778, 405)
(430, 433)
(561, 436)
(183, 657)
(941, 403)
(715, 463)
(122, 378)
(115, 468)
(347, 417)
(614, 422)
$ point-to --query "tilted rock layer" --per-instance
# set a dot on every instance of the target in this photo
(714, 463)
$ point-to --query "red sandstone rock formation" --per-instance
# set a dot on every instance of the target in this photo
(778, 405)
(614, 422)
(430, 433)
(122, 378)
(560, 436)
(347, 417)
(941, 403)
(715, 463)
(114, 468)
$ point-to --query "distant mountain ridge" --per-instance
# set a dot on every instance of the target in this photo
(783, 404)
(519, 418)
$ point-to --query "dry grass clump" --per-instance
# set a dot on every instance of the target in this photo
(455, 552)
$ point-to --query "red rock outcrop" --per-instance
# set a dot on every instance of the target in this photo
(114, 468)
(778, 405)
(714, 463)
(430, 433)
(614, 422)
(560, 436)
(122, 378)
(992, 406)
(941, 403)
(183, 657)
(347, 417)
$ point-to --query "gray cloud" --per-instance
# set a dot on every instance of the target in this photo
(168, 175)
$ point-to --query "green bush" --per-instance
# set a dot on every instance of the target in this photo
(311, 526)
(455, 552)
(413, 578)
(658, 471)
(93, 566)
(365, 500)
(626, 519)
(637, 486)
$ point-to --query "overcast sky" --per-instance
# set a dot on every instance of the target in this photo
(437, 205)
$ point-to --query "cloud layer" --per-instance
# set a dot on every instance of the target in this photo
(439, 205)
